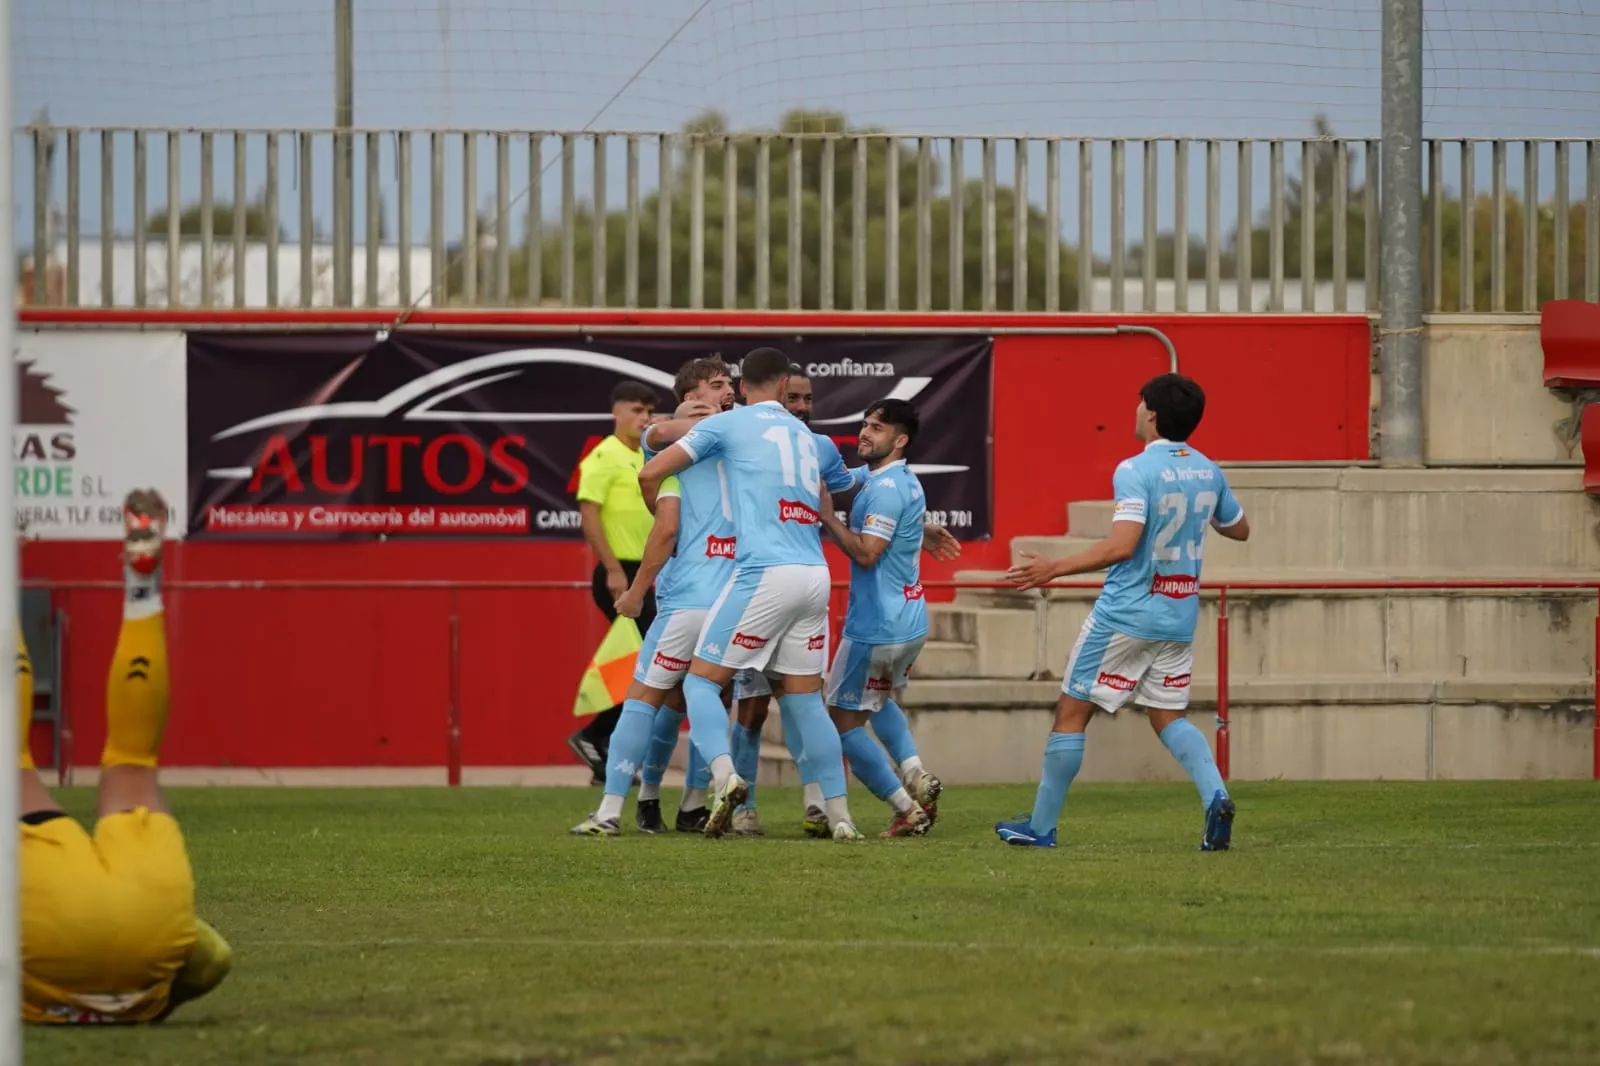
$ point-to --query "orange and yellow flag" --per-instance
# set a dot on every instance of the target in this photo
(605, 683)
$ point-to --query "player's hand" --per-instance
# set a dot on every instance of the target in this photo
(616, 582)
(940, 543)
(694, 409)
(1034, 570)
(630, 604)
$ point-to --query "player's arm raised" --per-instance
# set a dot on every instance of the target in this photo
(672, 430)
(1035, 570)
(658, 548)
(702, 441)
(877, 529)
(1127, 524)
(664, 465)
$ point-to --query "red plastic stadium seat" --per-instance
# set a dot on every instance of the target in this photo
(1569, 332)
(1589, 438)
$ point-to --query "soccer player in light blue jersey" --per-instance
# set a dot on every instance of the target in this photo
(751, 691)
(688, 555)
(1138, 641)
(886, 622)
(773, 613)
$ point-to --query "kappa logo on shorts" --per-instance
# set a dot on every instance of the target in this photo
(1116, 681)
(746, 640)
(667, 662)
(914, 592)
(1175, 586)
(1175, 681)
(817, 643)
(878, 684)
(797, 511)
(721, 547)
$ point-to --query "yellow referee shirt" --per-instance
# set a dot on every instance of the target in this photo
(609, 477)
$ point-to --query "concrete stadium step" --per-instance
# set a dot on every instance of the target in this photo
(1410, 520)
(1090, 518)
(947, 658)
(1288, 633)
(1215, 576)
(990, 694)
(977, 642)
(1404, 727)
(1387, 519)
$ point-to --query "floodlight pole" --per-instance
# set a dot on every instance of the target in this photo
(1400, 347)
(344, 105)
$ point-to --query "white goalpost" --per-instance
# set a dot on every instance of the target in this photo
(10, 916)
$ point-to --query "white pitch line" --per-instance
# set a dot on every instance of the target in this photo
(1553, 950)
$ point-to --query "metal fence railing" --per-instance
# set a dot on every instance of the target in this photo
(840, 221)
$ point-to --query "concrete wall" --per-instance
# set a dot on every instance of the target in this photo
(1484, 396)
(971, 732)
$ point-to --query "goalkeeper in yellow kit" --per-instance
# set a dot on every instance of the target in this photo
(109, 932)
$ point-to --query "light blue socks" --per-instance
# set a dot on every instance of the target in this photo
(1188, 745)
(1063, 755)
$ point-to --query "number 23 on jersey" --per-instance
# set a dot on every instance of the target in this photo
(1176, 519)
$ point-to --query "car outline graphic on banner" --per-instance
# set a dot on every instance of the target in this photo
(418, 399)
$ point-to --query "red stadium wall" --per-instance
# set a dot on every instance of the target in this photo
(303, 678)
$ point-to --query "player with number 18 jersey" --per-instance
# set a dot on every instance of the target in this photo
(775, 469)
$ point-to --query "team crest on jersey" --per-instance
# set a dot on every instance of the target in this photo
(721, 547)
(1175, 586)
(797, 511)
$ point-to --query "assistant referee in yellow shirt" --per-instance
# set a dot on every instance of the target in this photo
(616, 524)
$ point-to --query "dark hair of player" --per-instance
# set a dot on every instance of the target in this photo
(634, 392)
(899, 414)
(697, 371)
(1177, 403)
(764, 366)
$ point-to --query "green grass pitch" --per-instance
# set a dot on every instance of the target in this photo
(1352, 923)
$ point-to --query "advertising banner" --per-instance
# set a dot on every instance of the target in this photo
(97, 415)
(431, 435)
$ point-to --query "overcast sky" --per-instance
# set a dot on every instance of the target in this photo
(1103, 68)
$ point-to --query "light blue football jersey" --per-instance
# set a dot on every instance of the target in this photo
(886, 601)
(1176, 492)
(703, 557)
(775, 469)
